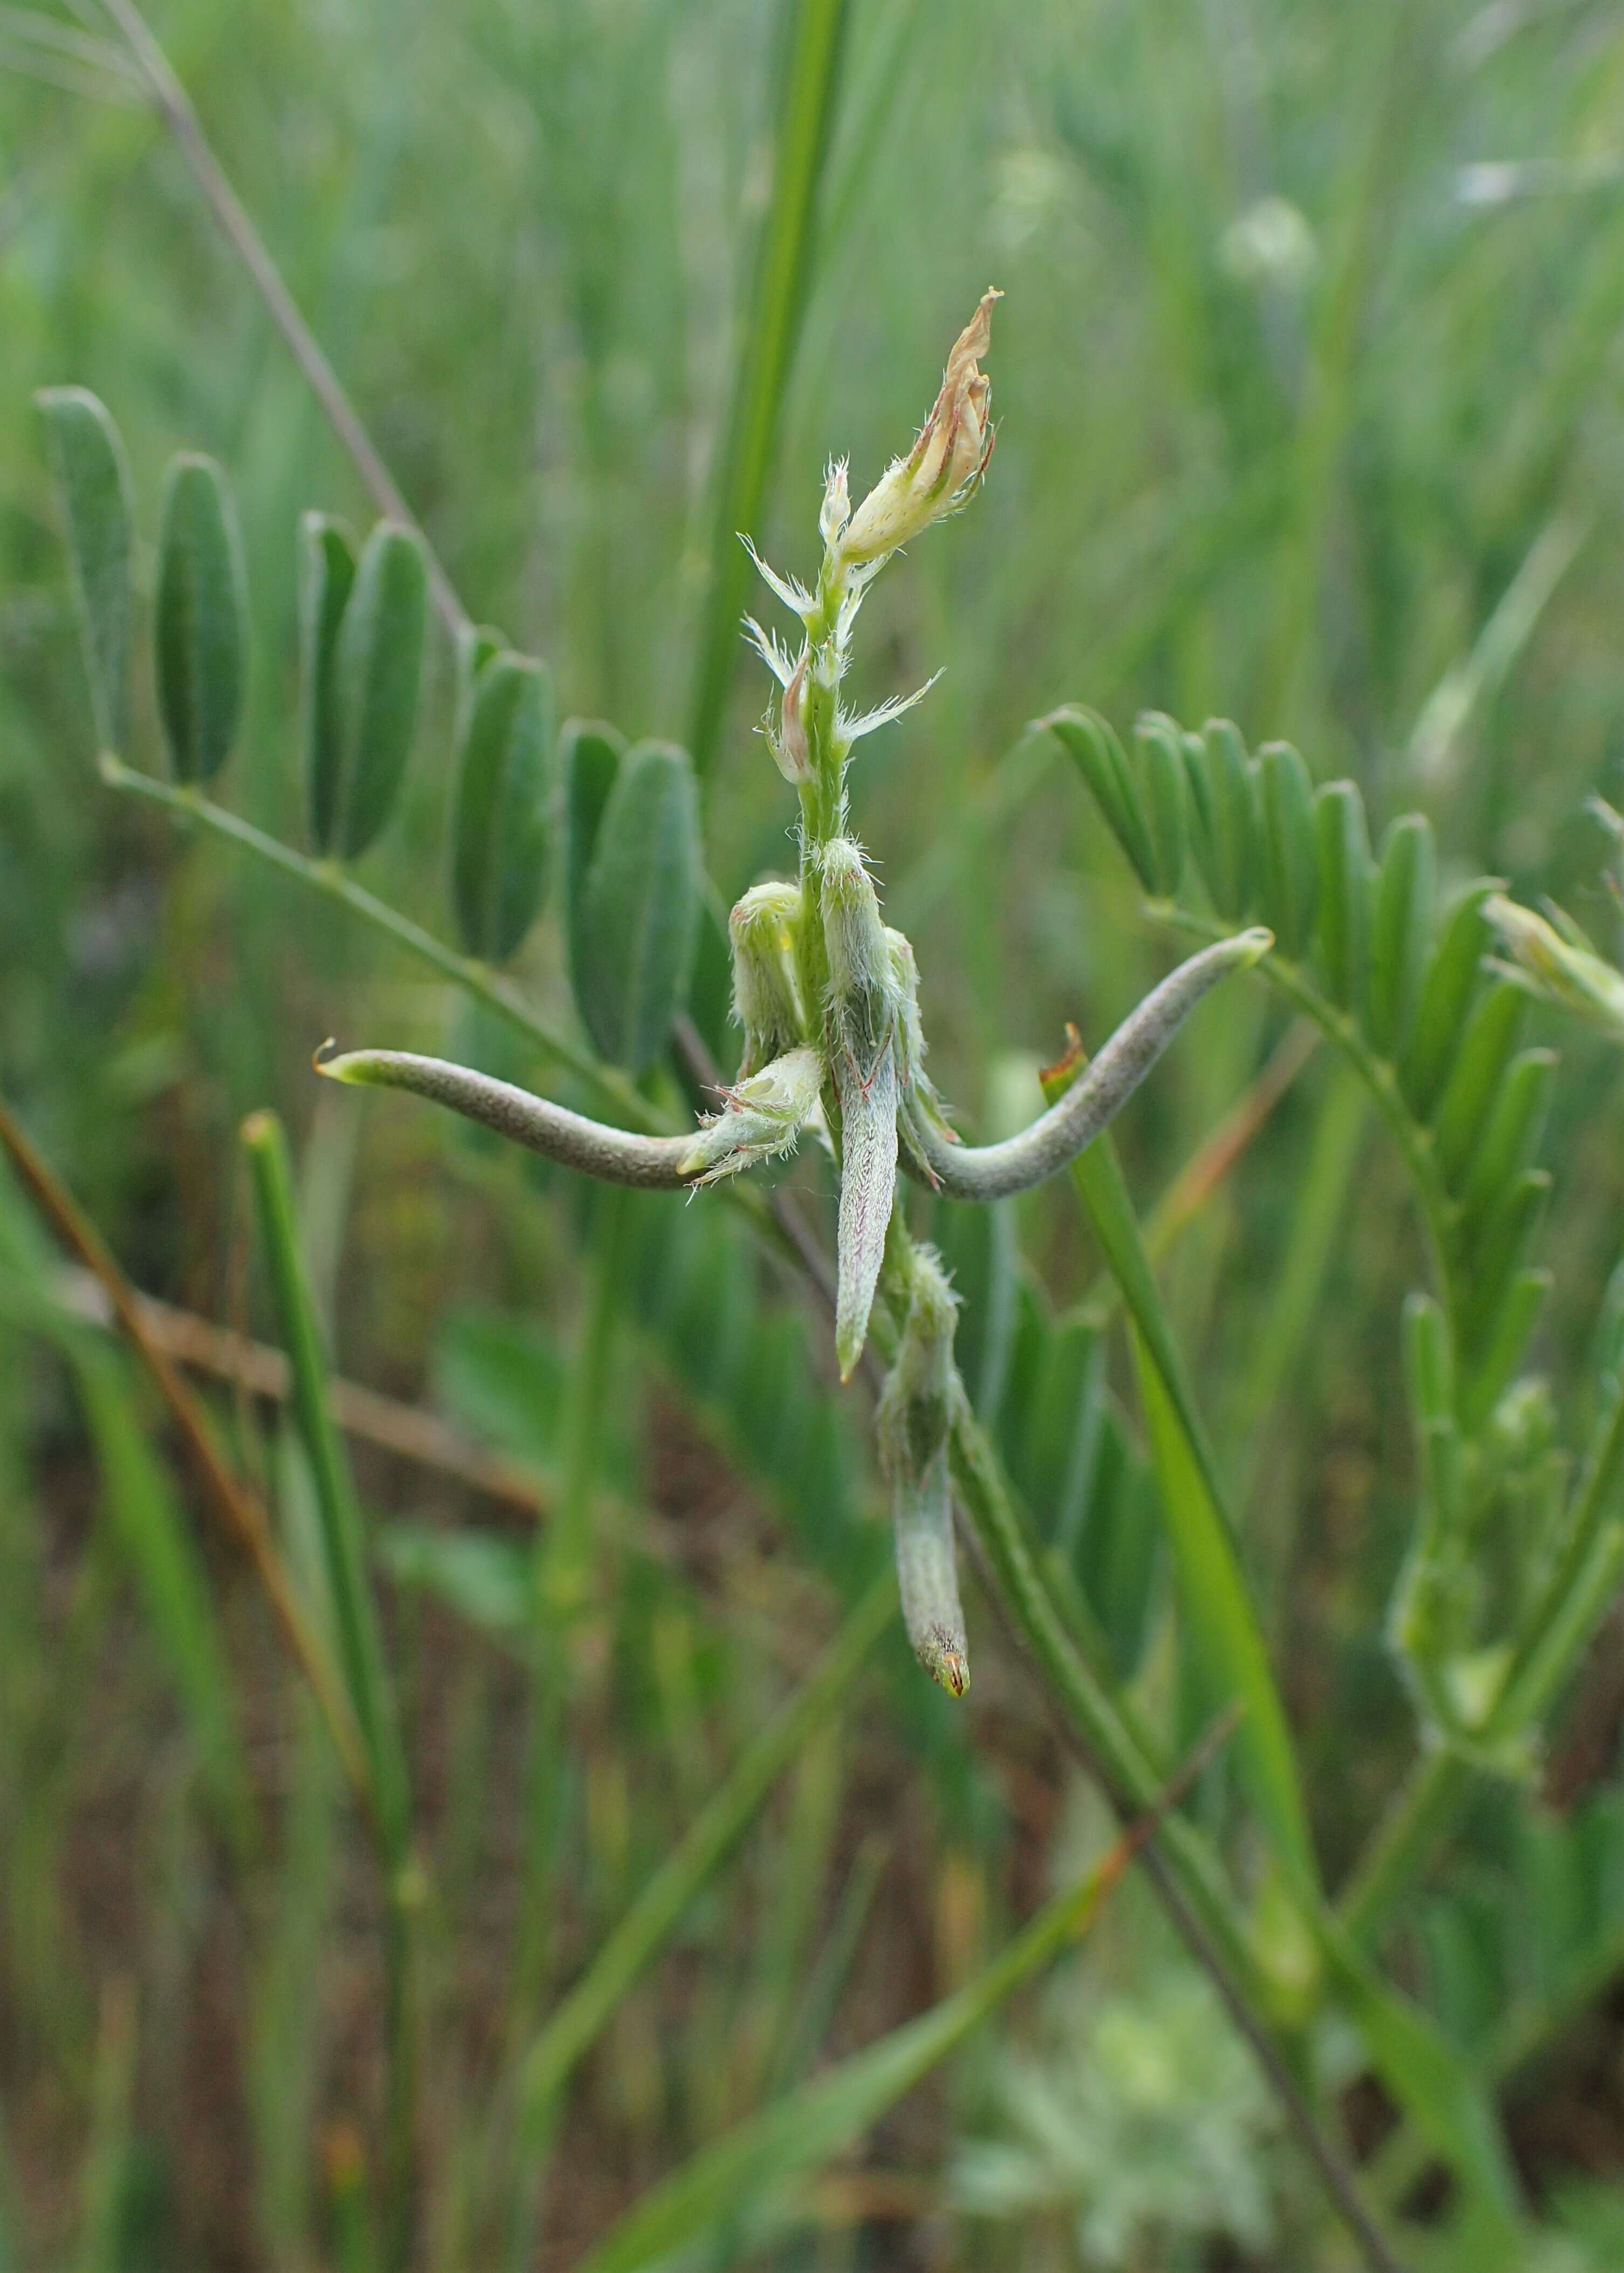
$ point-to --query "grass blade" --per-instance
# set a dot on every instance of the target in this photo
(1212, 1584)
(344, 1546)
(816, 31)
(709, 1839)
(796, 2136)
(152, 1534)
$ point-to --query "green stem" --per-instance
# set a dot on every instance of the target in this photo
(612, 1089)
(575, 2022)
(401, 2087)
(1094, 1714)
(806, 114)
(1410, 1832)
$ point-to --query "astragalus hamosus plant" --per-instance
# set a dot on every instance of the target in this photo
(827, 995)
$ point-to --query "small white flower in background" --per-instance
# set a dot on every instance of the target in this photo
(946, 463)
(1270, 243)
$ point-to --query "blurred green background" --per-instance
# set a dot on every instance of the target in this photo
(1310, 392)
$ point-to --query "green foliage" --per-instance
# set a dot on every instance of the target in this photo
(376, 669)
(500, 833)
(1303, 412)
(635, 907)
(92, 479)
(199, 620)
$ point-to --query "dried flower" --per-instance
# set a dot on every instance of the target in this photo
(945, 464)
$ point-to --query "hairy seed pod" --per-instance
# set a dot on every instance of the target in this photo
(864, 1010)
(914, 1421)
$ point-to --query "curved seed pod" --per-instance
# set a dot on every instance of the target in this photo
(1165, 797)
(199, 619)
(761, 932)
(378, 673)
(1503, 1340)
(1485, 1050)
(500, 828)
(1507, 1233)
(327, 577)
(1290, 867)
(1223, 828)
(640, 905)
(992, 1172)
(615, 1155)
(589, 755)
(1090, 741)
(87, 458)
(1346, 871)
(1401, 931)
(912, 1422)
(1447, 991)
(1510, 1134)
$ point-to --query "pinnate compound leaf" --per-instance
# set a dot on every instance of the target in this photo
(500, 820)
(1447, 991)
(200, 618)
(378, 673)
(1344, 893)
(1290, 877)
(87, 459)
(1401, 933)
(1223, 816)
(590, 751)
(326, 574)
(1486, 1048)
(1166, 798)
(639, 905)
(1510, 1136)
(1089, 740)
